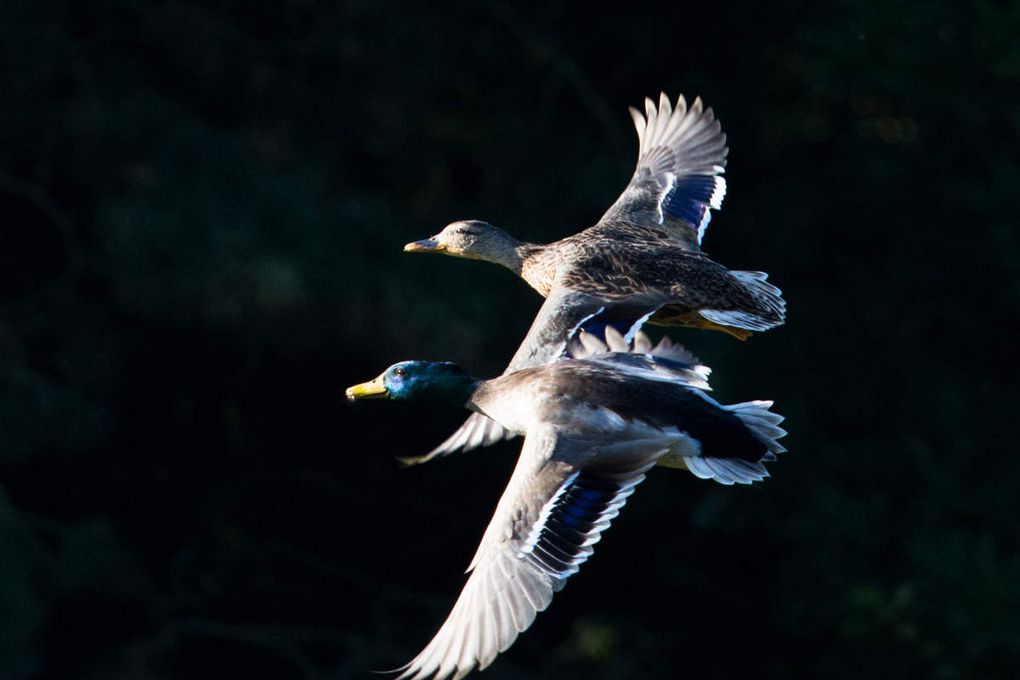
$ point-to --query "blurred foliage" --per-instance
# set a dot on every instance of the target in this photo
(203, 208)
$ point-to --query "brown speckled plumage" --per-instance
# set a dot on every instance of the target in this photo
(617, 261)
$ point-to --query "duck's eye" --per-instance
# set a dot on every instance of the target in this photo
(398, 372)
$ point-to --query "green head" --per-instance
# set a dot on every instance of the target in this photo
(473, 239)
(434, 380)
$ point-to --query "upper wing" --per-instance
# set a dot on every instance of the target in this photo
(544, 527)
(678, 179)
(559, 318)
(561, 315)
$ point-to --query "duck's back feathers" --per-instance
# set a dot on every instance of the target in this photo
(689, 287)
(678, 180)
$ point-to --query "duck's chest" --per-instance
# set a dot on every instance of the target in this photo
(517, 410)
(540, 269)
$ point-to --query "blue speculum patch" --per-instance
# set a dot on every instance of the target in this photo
(689, 198)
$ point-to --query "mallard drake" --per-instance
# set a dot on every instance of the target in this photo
(594, 422)
(643, 255)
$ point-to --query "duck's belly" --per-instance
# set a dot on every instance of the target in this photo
(592, 433)
(607, 435)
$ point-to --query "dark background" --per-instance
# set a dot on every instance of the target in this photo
(202, 208)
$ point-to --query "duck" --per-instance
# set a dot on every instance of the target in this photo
(595, 421)
(643, 256)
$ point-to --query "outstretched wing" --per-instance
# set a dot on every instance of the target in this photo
(678, 180)
(566, 312)
(544, 528)
(477, 431)
(563, 313)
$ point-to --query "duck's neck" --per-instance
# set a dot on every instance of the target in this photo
(457, 391)
(514, 255)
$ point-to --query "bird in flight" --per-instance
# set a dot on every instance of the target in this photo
(643, 258)
(595, 421)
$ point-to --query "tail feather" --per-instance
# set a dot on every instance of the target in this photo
(726, 470)
(764, 426)
(763, 423)
(769, 306)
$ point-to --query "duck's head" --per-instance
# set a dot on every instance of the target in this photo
(434, 380)
(473, 239)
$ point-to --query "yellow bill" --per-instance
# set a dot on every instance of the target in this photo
(373, 389)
